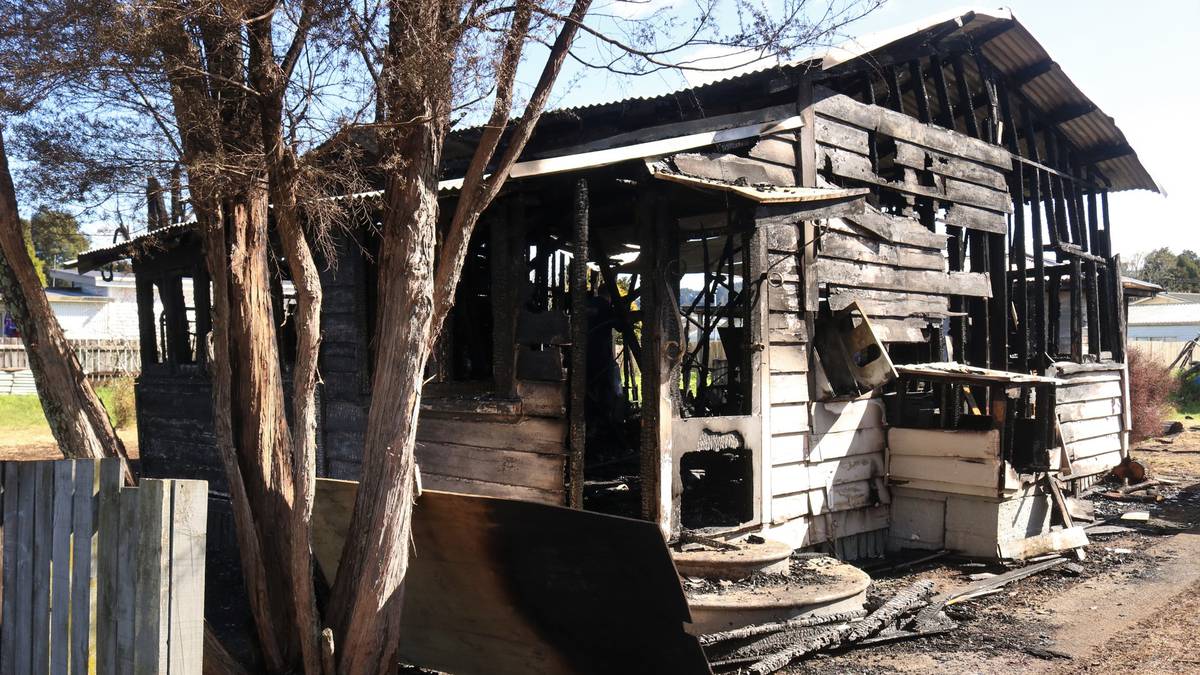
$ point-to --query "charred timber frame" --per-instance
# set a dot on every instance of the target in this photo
(579, 334)
(1060, 193)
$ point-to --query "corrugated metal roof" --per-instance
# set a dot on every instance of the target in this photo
(102, 255)
(1142, 314)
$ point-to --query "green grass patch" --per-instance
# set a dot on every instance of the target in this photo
(21, 413)
(1180, 409)
(24, 413)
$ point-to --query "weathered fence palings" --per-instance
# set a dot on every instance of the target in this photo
(110, 357)
(84, 556)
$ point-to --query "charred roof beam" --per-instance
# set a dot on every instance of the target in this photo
(1104, 153)
(1032, 72)
(1066, 113)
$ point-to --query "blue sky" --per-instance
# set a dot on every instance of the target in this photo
(1133, 59)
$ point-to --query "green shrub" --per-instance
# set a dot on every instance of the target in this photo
(119, 401)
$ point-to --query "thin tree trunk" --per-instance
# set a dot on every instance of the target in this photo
(212, 219)
(269, 79)
(260, 426)
(77, 418)
(367, 594)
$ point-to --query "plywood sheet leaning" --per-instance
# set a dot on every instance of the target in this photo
(501, 586)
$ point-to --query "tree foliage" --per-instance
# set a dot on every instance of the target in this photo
(1174, 272)
(57, 236)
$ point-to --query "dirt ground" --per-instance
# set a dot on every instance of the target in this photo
(1134, 607)
(35, 444)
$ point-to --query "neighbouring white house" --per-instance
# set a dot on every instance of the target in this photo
(88, 306)
(1166, 317)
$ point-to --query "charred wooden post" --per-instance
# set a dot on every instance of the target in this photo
(917, 73)
(946, 110)
(579, 334)
(1016, 186)
(988, 77)
(1038, 358)
(1054, 313)
(1076, 311)
(504, 264)
(176, 193)
(1088, 226)
(978, 348)
(156, 209)
(998, 314)
(1104, 310)
(872, 141)
(1106, 237)
(147, 329)
(1118, 303)
(964, 96)
(200, 291)
(1061, 225)
(660, 347)
(895, 100)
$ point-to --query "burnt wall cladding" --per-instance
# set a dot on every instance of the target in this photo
(175, 429)
(344, 364)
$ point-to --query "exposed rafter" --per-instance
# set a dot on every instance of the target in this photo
(1104, 152)
(1030, 73)
(1067, 113)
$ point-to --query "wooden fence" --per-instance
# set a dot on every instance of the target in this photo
(100, 578)
(1160, 351)
(104, 357)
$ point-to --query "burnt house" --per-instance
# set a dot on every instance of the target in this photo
(849, 302)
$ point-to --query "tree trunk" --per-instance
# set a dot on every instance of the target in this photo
(253, 434)
(212, 220)
(367, 594)
(77, 418)
(268, 77)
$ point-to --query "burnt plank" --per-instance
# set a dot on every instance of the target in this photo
(970, 217)
(864, 275)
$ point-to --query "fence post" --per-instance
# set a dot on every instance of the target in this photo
(8, 659)
(189, 527)
(105, 571)
(60, 556)
(84, 526)
(43, 537)
(153, 562)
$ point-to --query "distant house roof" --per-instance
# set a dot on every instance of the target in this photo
(1138, 288)
(1144, 314)
(73, 295)
(1171, 298)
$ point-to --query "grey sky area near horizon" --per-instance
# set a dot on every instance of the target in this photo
(1132, 59)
